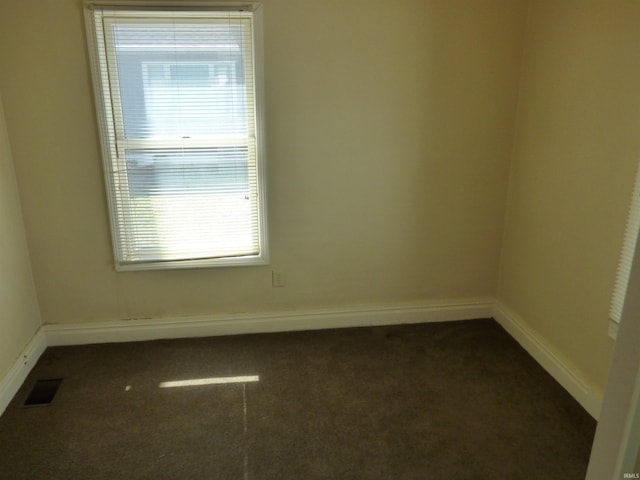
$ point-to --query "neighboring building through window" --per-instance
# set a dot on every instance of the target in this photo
(179, 108)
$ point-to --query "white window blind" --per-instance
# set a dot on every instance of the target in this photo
(179, 114)
(626, 256)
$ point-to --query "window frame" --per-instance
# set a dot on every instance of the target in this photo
(106, 100)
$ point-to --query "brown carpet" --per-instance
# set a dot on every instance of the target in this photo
(457, 400)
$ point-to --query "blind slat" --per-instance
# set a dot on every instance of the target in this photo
(627, 253)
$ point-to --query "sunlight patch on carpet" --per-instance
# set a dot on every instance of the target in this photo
(210, 381)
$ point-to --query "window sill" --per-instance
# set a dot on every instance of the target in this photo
(258, 260)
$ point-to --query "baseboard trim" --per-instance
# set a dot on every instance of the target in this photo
(234, 324)
(564, 373)
(589, 396)
(11, 383)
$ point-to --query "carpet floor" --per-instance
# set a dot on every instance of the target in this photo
(455, 400)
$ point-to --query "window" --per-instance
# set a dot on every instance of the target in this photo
(626, 259)
(179, 105)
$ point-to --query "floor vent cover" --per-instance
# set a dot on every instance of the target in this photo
(43, 392)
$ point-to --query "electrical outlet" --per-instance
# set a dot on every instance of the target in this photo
(277, 278)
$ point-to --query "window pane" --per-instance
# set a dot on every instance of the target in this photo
(189, 203)
(187, 172)
(181, 80)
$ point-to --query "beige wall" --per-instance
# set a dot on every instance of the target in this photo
(389, 133)
(19, 314)
(575, 154)
(389, 129)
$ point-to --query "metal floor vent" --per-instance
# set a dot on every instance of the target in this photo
(43, 392)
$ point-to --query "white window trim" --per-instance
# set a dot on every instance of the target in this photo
(107, 128)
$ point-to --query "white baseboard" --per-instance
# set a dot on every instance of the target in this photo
(11, 383)
(589, 396)
(233, 324)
